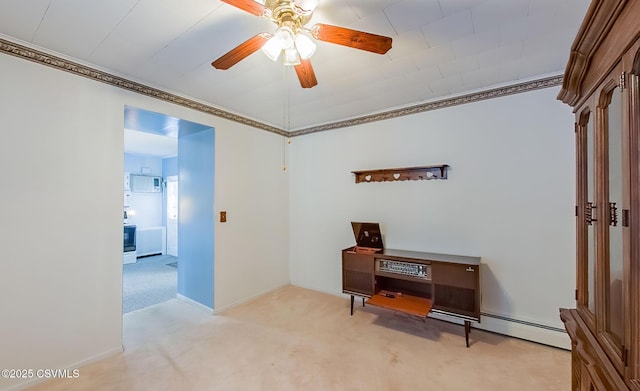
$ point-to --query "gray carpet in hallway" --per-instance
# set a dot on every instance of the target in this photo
(149, 281)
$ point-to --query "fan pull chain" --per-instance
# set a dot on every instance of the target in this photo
(286, 118)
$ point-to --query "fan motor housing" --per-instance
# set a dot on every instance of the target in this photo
(285, 12)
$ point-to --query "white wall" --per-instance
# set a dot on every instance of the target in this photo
(61, 207)
(251, 248)
(62, 160)
(509, 199)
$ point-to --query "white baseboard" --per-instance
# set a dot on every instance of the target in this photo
(245, 300)
(502, 324)
(315, 289)
(229, 306)
(194, 303)
(525, 330)
(90, 360)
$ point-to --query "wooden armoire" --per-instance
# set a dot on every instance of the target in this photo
(602, 85)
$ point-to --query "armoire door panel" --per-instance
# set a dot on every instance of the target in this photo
(590, 228)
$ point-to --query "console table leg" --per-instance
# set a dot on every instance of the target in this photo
(467, 330)
(352, 298)
(363, 301)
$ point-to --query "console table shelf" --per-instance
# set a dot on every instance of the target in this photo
(409, 304)
(414, 282)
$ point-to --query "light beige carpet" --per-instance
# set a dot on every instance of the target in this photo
(298, 339)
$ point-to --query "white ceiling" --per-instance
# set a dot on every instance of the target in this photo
(440, 48)
(149, 144)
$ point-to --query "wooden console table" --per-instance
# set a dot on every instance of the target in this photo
(415, 283)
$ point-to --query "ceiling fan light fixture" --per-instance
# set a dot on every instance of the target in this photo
(306, 47)
(291, 18)
(284, 35)
(281, 40)
(272, 48)
(291, 57)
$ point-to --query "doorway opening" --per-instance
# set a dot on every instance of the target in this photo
(163, 154)
(150, 273)
(172, 215)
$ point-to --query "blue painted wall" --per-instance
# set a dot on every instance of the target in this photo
(170, 166)
(133, 164)
(196, 214)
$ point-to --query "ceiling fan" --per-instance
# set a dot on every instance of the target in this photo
(291, 39)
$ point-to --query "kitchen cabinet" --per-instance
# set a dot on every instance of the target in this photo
(127, 181)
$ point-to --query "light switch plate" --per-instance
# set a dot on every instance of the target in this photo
(223, 216)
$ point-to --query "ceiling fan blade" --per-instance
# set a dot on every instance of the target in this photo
(305, 74)
(249, 6)
(352, 38)
(241, 51)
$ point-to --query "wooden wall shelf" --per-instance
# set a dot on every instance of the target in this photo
(402, 174)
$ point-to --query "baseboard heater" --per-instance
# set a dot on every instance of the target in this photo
(151, 241)
(524, 322)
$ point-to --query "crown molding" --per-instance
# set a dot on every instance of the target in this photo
(59, 63)
(62, 64)
(439, 104)
(596, 26)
